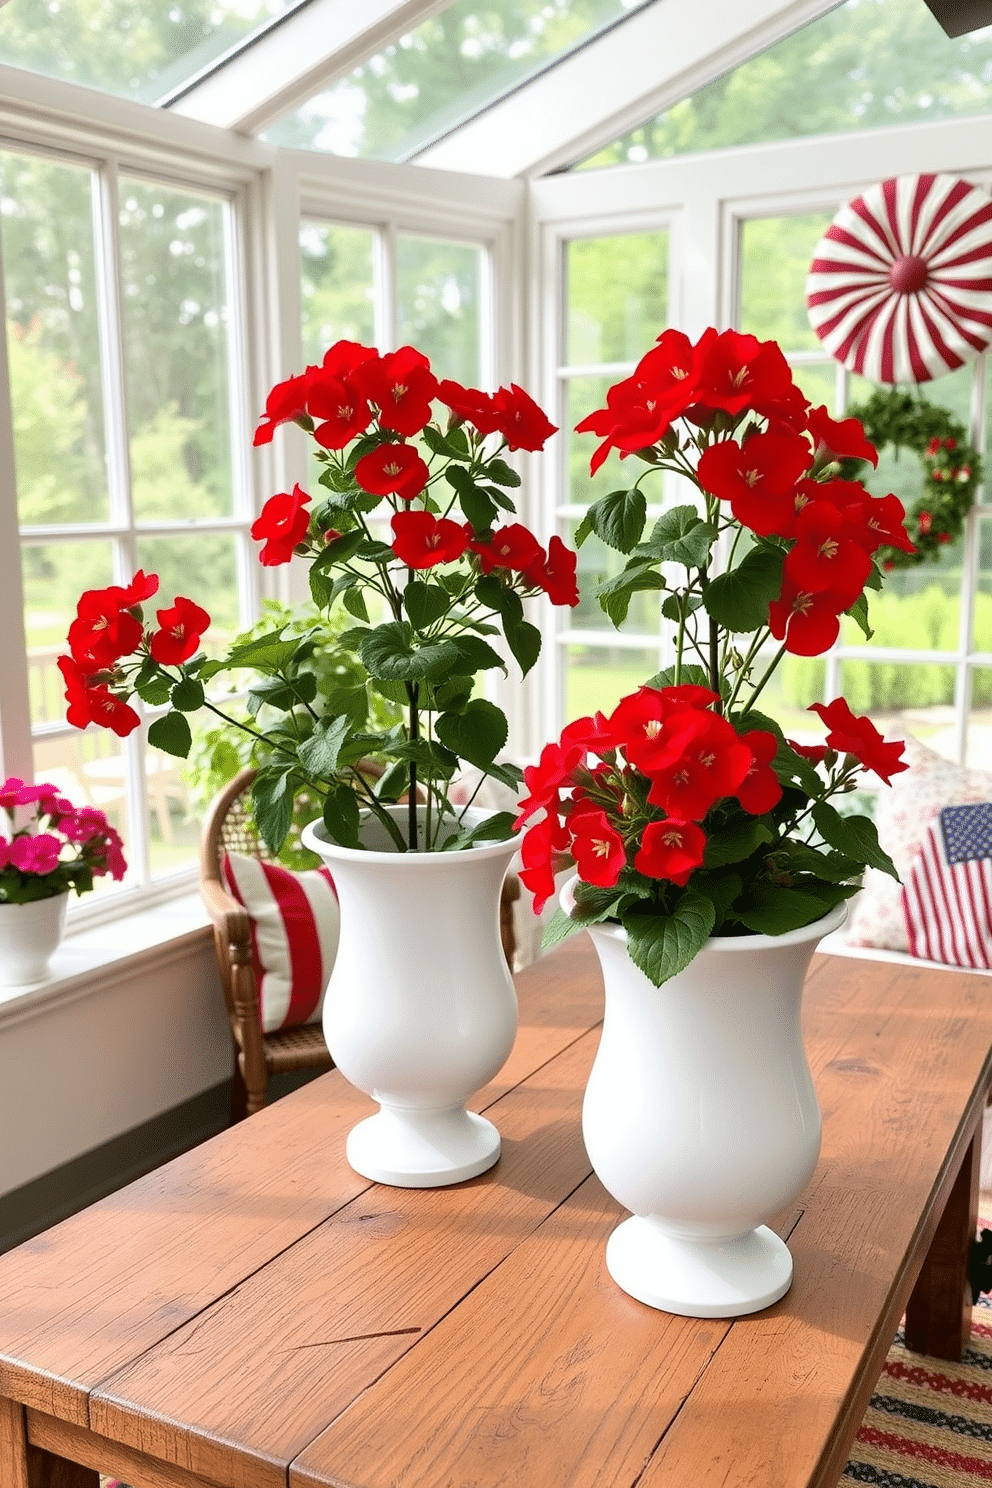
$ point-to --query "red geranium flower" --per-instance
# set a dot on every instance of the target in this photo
(422, 540)
(555, 573)
(513, 546)
(521, 422)
(597, 849)
(671, 849)
(182, 626)
(287, 400)
(826, 556)
(757, 478)
(470, 405)
(89, 704)
(281, 524)
(639, 411)
(844, 439)
(338, 408)
(102, 631)
(401, 384)
(760, 789)
(808, 623)
(879, 521)
(393, 470)
(537, 848)
(815, 753)
(141, 587)
(859, 737)
(698, 759)
(739, 372)
(341, 359)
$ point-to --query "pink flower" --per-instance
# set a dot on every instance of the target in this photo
(39, 854)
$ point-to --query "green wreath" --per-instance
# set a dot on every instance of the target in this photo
(952, 467)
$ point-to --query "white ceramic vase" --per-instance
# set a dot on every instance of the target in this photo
(420, 1010)
(30, 934)
(700, 1117)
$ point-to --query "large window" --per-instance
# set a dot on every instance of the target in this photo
(128, 420)
(927, 666)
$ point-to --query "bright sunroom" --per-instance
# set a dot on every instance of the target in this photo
(197, 200)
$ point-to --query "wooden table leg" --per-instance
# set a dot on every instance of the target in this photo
(25, 1466)
(938, 1316)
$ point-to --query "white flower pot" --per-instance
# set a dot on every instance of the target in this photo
(700, 1117)
(30, 934)
(420, 1010)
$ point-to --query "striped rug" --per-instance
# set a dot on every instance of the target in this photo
(929, 1423)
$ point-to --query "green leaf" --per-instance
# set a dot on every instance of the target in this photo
(341, 815)
(559, 928)
(721, 888)
(391, 652)
(854, 836)
(187, 695)
(319, 754)
(799, 857)
(425, 603)
(739, 600)
(479, 508)
(272, 798)
(663, 945)
(494, 594)
(619, 518)
(615, 594)
(265, 653)
(444, 444)
(474, 655)
(507, 774)
(859, 613)
(734, 843)
(673, 605)
(679, 536)
(476, 734)
(582, 531)
(154, 690)
(690, 674)
(496, 828)
(524, 641)
(497, 470)
(775, 911)
(171, 733)
(354, 603)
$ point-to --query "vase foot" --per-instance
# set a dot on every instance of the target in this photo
(418, 1149)
(705, 1279)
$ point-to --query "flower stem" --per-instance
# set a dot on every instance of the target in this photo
(771, 667)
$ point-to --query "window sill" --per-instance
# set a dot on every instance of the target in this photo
(91, 955)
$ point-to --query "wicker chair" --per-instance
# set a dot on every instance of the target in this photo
(228, 828)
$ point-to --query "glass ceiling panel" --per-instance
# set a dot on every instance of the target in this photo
(865, 65)
(133, 48)
(445, 71)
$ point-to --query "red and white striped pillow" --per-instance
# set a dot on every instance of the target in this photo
(294, 936)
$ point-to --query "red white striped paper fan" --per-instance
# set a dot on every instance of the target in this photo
(900, 287)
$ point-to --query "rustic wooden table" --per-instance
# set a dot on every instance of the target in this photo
(254, 1314)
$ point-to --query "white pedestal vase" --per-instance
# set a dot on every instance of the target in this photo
(30, 934)
(420, 1010)
(700, 1117)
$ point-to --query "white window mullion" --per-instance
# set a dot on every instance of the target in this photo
(111, 329)
(384, 276)
(239, 404)
(15, 705)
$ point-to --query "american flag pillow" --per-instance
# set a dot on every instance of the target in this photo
(294, 936)
(947, 892)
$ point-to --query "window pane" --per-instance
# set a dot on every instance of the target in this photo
(581, 396)
(776, 253)
(173, 830)
(89, 768)
(201, 566)
(54, 576)
(438, 292)
(599, 676)
(441, 73)
(797, 682)
(46, 239)
(981, 634)
(915, 696)
(919, 608)
(862, 66)
(617, 292)
(337, 287)
(818, 381)
(176, 351)
(978, 745)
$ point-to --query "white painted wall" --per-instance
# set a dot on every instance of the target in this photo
(109, 1041)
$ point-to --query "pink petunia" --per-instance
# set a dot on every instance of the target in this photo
(38, 854)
